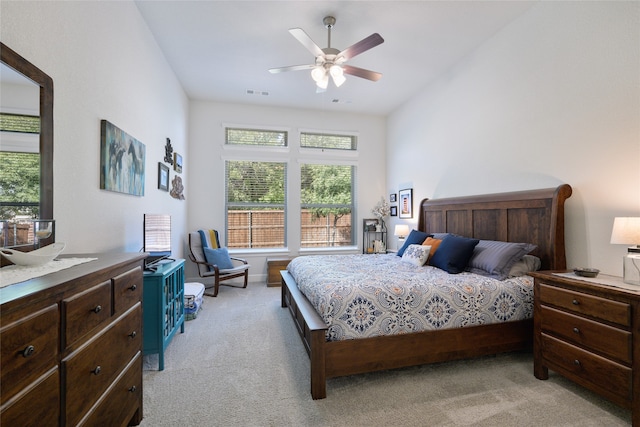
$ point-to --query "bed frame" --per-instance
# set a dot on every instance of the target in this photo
(535, 216)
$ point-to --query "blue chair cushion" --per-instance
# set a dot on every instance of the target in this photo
(219, 257)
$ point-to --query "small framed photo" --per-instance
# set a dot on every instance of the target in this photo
(393, 211)
(406, 203)
(163, 177)
(392, 198)
(369, 224)
(177, 162)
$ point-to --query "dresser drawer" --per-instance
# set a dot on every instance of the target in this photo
(85, 311)
(37, 406)
(122, 400)
(91, 370)
(607, 340)
(127, 290)
(28, 347)
(582, 366)
(589, 305)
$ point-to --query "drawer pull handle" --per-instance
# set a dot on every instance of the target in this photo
(97, 370)
(133, 334)
(575, 302)
(576, 362)
(98, 309)
(132, 389)
(28, 351)
(133, 287)
(576, 330)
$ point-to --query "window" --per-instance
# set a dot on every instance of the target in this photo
(20, 172)
(326, 206)
(319, 140)
(19, 123)
(267, 138)
(256, 190)
(19, 185)
(255, 204)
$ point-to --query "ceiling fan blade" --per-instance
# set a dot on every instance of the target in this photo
(306, 41)
(362, 46)
(361, 72)
(291, 68)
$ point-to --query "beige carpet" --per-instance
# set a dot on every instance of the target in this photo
(241, 363)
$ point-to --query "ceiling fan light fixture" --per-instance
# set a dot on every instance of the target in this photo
(337, 73)
(318, 73)
(324, 82)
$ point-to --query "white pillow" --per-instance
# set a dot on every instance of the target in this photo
(416, 254)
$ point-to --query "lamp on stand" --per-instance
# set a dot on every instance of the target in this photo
(626, 231)
(401, 231)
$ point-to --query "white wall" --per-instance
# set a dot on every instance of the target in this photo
(553, 98)
(104, 64)
(207, 154)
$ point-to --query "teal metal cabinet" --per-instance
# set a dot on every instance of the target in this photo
(163, 307)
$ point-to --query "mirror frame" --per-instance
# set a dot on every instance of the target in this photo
(33, 73)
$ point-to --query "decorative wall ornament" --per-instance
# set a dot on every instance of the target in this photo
(406, 203)
(177, 188)
(177, 162)
(122, 161)
(168, 152)
(163, 177)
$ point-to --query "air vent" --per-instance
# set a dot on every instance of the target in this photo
(257, 92)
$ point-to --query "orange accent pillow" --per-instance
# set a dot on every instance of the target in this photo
(434, 243)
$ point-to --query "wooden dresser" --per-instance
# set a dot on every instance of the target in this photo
(71, 345)
(589, 332)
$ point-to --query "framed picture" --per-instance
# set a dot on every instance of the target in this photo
(392, 198)
(393, 211)
(177, 162)
(122, 160)
(163, 177)
(370, 224)
(406, 203)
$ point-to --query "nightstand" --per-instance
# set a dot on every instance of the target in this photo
(588, 330)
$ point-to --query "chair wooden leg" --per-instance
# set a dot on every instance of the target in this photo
(216, 287)
(246, 278)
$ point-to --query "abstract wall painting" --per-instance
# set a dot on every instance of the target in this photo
(122, 161)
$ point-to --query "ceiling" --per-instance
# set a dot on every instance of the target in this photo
(220, 50)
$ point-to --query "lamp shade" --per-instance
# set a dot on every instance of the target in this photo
(626, 231)
(401, 230)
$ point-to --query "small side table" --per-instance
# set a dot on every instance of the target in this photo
(163, 307)
(274, 265)
(587, 330)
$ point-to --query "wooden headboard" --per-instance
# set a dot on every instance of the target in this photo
(534, 216)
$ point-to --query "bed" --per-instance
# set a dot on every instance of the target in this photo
(533, 216)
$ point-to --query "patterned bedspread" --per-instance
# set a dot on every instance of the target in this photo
(361, 296)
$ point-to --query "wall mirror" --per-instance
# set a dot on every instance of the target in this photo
(16, 71)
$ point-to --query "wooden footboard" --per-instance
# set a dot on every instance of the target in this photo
(312, 330)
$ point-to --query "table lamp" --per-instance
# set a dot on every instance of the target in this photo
(626, 231)
(402, 231)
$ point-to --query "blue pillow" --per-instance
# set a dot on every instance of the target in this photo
(219, 257)
(414, 238)
(454, 254)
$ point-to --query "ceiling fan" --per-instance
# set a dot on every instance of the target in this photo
(330, 61)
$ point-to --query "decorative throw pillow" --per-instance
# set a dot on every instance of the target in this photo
(527, 264)
(414, 238)
(219, 257)
(453, 254)
(434, 243)
(416, 254)
(495, 259)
